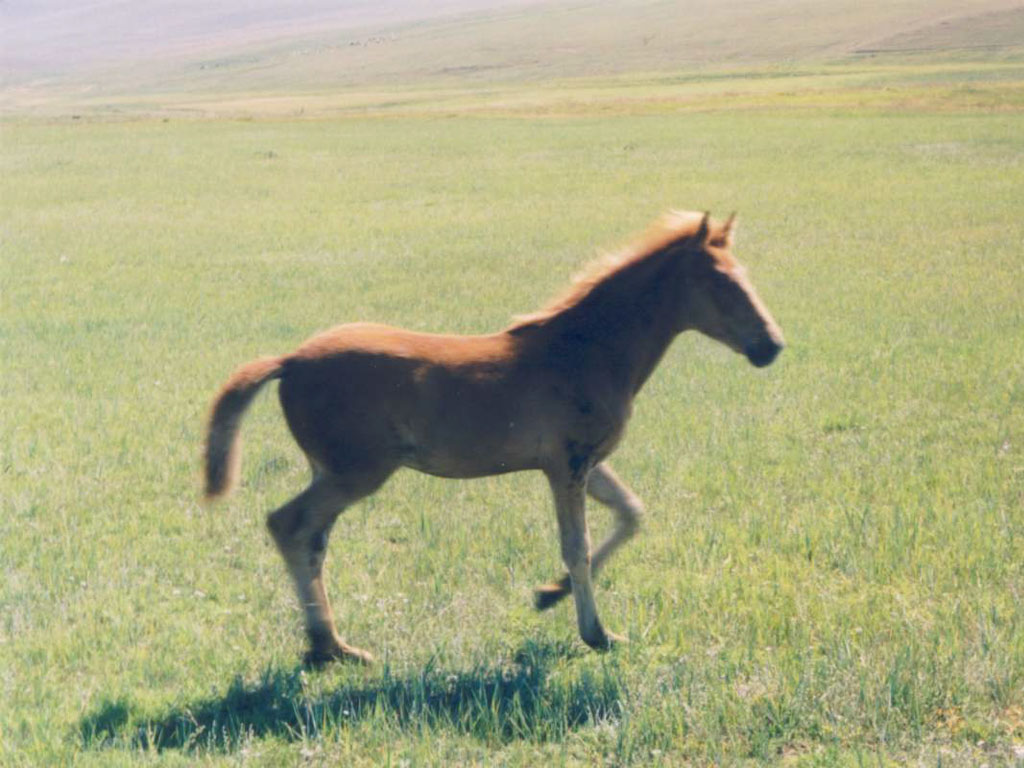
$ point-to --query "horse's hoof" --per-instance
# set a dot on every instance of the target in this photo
(550, 594)
(318, 657)
(606, 641)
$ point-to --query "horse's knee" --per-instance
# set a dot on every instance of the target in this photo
(575, 548)
(285, 523)
(631, 517)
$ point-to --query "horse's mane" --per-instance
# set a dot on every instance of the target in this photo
(670, 229)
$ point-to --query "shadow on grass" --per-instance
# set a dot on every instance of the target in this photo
(517, 700)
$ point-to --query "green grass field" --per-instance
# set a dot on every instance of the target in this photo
(831, 570)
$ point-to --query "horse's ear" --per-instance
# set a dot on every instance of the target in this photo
(729, 230)
(702, 230)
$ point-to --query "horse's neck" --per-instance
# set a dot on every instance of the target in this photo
(626, 333)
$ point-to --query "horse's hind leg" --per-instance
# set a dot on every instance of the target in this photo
(300, 529)
(604, 486)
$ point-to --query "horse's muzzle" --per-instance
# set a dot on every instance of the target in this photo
(763, 352)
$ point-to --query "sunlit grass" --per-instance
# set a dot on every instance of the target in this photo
(831, 568)
(870, 83)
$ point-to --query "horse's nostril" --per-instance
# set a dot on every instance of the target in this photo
(763, 352)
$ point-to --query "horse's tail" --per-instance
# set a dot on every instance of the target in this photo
(223, 455)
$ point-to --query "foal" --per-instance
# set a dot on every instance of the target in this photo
(551, 392)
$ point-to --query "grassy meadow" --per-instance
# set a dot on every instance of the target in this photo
(831, 569)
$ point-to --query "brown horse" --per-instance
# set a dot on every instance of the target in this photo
(551, 392)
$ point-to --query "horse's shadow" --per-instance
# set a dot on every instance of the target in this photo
(513, 700)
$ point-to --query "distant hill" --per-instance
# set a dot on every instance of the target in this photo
(45, 38)
(975, 30)
(118, 48)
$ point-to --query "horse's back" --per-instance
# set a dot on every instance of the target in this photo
(385, 341)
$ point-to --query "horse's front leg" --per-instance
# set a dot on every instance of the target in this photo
(605, 486)
(569, 491)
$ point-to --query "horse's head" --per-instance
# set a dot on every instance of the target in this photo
(721, 303)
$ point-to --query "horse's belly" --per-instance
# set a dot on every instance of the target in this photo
(466, 464)
(475, 447)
